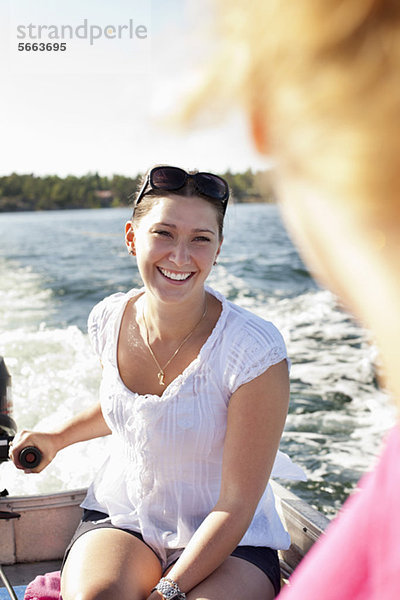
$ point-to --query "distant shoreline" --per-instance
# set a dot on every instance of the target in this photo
(252, 200)
(29, 193)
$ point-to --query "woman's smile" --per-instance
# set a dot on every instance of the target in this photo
(175, 275)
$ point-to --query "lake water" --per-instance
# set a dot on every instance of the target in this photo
(54, 266)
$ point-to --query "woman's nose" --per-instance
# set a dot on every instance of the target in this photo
(180, 254)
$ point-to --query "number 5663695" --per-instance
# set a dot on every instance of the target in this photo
(42, 47)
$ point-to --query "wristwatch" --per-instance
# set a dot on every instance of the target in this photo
(169, 589)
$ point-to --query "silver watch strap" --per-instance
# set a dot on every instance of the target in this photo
(169, 589)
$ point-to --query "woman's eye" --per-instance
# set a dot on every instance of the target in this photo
(162, 232)
(202, 238)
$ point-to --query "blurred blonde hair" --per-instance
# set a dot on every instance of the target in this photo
(323, 79)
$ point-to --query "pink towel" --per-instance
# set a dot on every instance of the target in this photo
(44, 587)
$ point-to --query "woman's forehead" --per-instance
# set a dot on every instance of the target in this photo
(182, 209)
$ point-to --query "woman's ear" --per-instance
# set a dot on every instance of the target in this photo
(218, 251)
(259, 131)
(130, 237)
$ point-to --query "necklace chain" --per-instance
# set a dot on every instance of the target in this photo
(161, 370)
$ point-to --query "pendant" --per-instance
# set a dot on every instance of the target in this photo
(161, 378)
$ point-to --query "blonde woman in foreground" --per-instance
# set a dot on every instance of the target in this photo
(320, 82)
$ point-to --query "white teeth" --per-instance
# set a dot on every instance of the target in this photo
(176, 276)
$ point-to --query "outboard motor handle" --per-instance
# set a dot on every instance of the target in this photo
(30, 457)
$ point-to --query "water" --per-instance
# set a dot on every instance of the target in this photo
(55, 266)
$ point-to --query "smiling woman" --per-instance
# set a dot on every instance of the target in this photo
(195, 394)
(176, 244)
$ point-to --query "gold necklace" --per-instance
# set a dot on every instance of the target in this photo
(161, 370)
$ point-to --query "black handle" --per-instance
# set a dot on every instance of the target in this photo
(30, 457)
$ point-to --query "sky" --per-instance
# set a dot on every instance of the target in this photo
(103, 104)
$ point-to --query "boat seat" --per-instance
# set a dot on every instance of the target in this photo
(44, 587)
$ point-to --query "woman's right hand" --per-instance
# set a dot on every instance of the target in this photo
(44, 442)
(87, 425)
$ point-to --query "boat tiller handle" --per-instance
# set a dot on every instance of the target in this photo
(30, 457)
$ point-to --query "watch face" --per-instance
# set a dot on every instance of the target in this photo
(167, 591)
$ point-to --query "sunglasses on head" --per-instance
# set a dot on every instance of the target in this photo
(171, 179)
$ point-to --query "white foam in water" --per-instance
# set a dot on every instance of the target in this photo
(23, 302)
(54, 375)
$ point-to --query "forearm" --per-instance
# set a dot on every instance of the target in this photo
(87, 425)
(212, 543)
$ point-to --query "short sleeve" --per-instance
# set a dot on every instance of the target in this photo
(257, 345)
(99, 319)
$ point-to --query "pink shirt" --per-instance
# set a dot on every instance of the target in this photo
(359, 558)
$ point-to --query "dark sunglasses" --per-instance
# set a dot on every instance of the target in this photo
(170, 179)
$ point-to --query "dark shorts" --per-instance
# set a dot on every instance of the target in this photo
(264, 558)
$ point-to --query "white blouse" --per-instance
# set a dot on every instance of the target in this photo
(163, 475)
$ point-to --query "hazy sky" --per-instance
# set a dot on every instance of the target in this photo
(97, 106)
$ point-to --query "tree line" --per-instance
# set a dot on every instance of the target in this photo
(29, 192)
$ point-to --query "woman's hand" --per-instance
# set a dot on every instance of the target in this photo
(45, 442)
(87, 425)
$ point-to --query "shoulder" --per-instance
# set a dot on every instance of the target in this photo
(248, 327)
(103, 309)
(249, 346)
(242, 327)
(102, 314)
